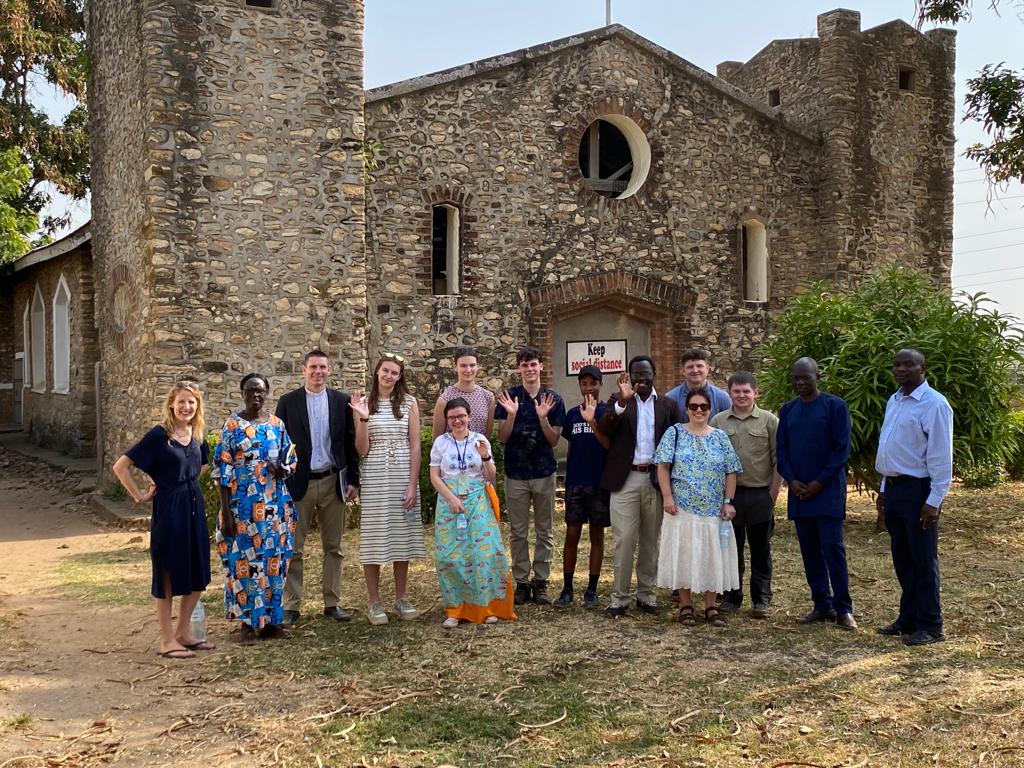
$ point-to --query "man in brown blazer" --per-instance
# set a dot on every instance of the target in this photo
(634, 425)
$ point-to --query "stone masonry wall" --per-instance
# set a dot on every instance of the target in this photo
(251, 247)
(503, 145)
(63, 421)
(886, 175)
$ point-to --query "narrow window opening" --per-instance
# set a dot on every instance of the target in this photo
(260, 3)
(26, 332)
(774, 97)
(38, 323)
(62, 338)
(906, 79)
(445, 250)
(754, 261)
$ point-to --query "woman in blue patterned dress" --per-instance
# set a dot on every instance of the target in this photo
(472, 569)
(173, 454)
(257, 516)
(697, 469)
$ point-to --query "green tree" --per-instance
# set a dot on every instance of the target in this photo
(42, 44)
(974, 354)
(16, 224)
(995, 98)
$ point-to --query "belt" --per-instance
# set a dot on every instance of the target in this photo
(642, 467)
(897, 479)
(323, 473)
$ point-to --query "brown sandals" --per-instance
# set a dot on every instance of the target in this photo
(686, 617)
(714, 617)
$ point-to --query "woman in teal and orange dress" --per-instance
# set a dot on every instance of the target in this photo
(257, 515)
(472, 567)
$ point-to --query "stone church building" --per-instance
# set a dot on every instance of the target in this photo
(596, 195)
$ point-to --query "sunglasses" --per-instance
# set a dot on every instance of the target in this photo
(393, 356)
(186, 384)
(698, 407)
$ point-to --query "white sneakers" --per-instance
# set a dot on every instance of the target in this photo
(375, 613)
(450, 623)
(405, 610)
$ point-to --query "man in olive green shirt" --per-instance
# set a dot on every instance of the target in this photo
(752, 433)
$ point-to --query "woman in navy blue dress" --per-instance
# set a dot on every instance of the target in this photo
(173, 454)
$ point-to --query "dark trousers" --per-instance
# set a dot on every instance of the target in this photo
(915, 554)
(824, 556)
(754, 523)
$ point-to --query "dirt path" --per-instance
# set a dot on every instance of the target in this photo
(80, 683)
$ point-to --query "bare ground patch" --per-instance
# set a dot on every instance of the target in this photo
(80, 684)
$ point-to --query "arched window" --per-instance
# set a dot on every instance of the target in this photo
(62, 338)
(754, 260)
(26, 333)
(38, 323)
(445, 267)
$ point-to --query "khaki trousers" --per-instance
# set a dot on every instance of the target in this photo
(519, 495)
(321, 501)
(636, 524)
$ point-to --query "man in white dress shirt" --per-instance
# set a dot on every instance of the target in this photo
(915, 460)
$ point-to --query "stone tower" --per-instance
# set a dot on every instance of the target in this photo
(228, 206)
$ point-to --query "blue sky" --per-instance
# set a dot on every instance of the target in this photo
(405, 38)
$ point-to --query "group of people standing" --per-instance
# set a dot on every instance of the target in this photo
(686, 481)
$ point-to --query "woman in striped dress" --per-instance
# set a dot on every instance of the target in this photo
(481, 419)
(388, 438)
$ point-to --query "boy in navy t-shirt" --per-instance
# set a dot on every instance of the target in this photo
(585, 500)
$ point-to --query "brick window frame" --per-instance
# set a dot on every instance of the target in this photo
(666, 308)
(469, 256)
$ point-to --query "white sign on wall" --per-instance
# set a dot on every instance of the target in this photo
(608, 355)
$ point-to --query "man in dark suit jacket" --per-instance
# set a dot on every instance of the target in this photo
(634, 426)
(320, 425)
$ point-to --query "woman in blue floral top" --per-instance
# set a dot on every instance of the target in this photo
(257, 515)
(697, 469)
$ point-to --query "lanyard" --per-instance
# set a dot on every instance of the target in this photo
(462, 453)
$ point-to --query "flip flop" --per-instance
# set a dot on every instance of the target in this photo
(202, 645)
(177, 653)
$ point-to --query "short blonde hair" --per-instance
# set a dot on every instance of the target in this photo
(198, 422)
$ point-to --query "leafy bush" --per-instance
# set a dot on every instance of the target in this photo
(211, 492)
(973, 355)
(1015, 463)
(428, 496)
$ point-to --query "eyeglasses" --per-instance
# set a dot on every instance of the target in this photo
(393, 356)
(698, 407)
(458, 417)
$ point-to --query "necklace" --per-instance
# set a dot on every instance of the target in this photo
(461, 453)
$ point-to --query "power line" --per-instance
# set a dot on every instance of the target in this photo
(986, 234)
(990, 202)
(986, 272)
(990, 248)
(975, 285)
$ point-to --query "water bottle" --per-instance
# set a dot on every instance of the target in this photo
(412, 515)
(461, 527)
(724, 532)
(197, 626)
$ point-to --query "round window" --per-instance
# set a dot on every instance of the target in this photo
(614, 156)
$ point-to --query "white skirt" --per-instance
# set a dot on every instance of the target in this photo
(693, 555)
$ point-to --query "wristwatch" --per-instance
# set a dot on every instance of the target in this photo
(485, 458)
(726, 500)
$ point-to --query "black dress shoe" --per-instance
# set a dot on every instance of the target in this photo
(337, 613)
(846, 621)
(288, 618)
(650, 608)
(615, 611)
(816, 616)
(891, 630)
(923, 637)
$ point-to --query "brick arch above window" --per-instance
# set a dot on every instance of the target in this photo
(667, 307)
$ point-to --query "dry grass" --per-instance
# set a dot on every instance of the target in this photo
(572, 688)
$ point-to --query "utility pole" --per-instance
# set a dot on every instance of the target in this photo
(607, 13)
